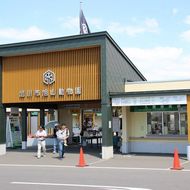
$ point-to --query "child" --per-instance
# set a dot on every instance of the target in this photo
(67, 135)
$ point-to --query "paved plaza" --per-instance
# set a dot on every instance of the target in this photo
(22, 170)
(93, 158)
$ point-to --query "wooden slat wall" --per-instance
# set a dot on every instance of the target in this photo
(73, 68)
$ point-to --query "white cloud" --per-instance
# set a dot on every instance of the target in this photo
(174, 11)
(72, 23)
(187, 19)
(148, 25)
(15, 35)
(186, 35)
(160, 63)
(69, 22)
(151, 25)
(95, 22)
(118, 28)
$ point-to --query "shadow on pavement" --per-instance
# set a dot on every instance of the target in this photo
(71, 149)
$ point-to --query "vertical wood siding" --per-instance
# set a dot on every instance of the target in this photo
(72, 68)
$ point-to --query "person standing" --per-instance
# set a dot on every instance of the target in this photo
(55, 140)
(62, 135)
(41, 135)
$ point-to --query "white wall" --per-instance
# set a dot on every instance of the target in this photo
(158, 147)
(138, 124)
(2, 149)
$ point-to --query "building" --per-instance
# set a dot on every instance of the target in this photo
(72, 75)
(155, 116)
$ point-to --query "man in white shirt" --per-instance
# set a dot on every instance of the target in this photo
(41, 135)
(62, 135)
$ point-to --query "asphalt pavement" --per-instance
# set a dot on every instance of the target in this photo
(92, 157)
(20, 169)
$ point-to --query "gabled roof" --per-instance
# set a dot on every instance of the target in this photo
(52, 44)
(63, 43)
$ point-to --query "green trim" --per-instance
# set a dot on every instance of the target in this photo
(54, 44)
(24, 124)
(42, 117)
(1, 78)
(157, 108)
(105, 101)
(34, 113)
(54, 40)
(149, 93)
(107, 137)
(2, 111)
(103, 74)
(2, 124)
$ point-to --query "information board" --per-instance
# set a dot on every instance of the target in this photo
(14, 138)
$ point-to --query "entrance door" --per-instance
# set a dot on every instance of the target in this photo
(91, 129)
(88, 120)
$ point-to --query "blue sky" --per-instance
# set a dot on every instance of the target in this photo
(154, 34)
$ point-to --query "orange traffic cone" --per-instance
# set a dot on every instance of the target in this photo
(82, 162)
(176, 162)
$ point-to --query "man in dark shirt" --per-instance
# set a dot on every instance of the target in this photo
(55, 141)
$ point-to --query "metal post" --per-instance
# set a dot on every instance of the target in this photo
(24, 128)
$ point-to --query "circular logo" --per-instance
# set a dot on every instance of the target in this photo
(49, 77)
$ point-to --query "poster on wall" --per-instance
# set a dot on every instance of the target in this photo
(9, 141)
(116, 124)
(13, 135)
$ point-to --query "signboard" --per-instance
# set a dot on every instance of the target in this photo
(14, 138)
(150, 100)
(116, 124)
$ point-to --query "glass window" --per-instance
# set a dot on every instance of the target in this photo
(171, 123)
(167, 123)
(154, 120)
(76, 124)
(183, 122)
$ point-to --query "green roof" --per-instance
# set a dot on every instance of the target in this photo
(62, 43)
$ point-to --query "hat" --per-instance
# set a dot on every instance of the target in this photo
(41, 127)
(56, 124)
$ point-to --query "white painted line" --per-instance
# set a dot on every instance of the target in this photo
(128, 155)
(98, 161)
(88, 167)
(77, 185)
(145, 169)
(41, 166)
(185, 163)
(129, 168)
